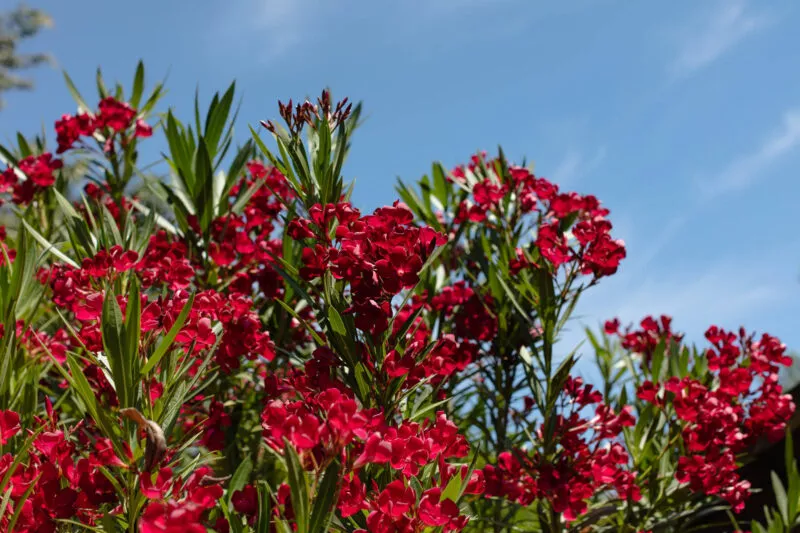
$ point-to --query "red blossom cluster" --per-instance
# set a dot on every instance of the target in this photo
(245, 245)
(378, 255)
(596, 253)
(646, 339)
(112, 117)
(725, 411)
(329, 384)
(319, 417)
(59, 482)
(80, 290)
(329, 425)
(587, 458)
(178, 505)
(31, 175)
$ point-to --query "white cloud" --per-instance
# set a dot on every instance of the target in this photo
(279, 23)
(271, 29)
(727, 294)
(708, 39)
(746, 170)
(669, 230)
(576, 165)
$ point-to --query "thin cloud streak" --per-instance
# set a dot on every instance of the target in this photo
(727, 293)
(709, 40)
(745, 171)
(271, 30)
(575, 166)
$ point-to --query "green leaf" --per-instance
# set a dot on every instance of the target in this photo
(234, 171)
(302, 321)
(241, 201)
(204, 176)
(240, 477)
(111, 228)
(780, 497)
(138, 86)
(133, 329)
(166, 342)
(470, 470)
(793, 477)
(25, 151)
(113, 333)
(4, 501)
(217, 116)
(175, 403)
(48, 246)
(264, 507)
(181, 156)
(161, 221)
(75, 94)
(298, 486)
(154, 97)
(102, 90)
(440, 187)
(336, 322)
(513, 299)
(108, 522)
(325, 498)
(363, 380)
(453, 489)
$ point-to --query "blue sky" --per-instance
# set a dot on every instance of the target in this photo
(682, 117)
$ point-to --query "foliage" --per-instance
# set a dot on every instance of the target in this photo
(16, 25)
(234, 346)
(785, 518)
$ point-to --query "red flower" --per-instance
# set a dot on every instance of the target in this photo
(9, 425)
(434, 511)
(171, 517)
(114, 114)
(396, 499)
(157, 489)
(143, 129)
(39, 169)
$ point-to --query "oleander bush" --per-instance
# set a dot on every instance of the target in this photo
(221, 341)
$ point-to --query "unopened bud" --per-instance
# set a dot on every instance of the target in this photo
(155, 445)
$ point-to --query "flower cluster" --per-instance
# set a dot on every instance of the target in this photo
(112, 117)
(260, 345)
(178, 505)
(593, 251)
(378, 255)
(587, 458)
(32, 175)
(80, 290)
(723, 412)
(323, 422)
(58, 482)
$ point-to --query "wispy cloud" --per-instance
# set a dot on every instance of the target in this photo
(279, 22)
(576, 165)
(728, 292)
(708, 38)
(746, 170)
(271, 29)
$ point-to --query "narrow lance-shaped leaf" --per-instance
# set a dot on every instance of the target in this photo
(166, 342)
(324, 501)
(138, 86)
(298, 486)
(113, 333)
(133, 329)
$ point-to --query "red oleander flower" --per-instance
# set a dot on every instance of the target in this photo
(9, 425)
